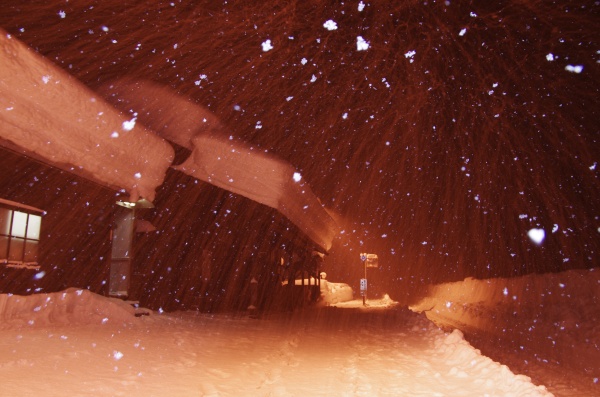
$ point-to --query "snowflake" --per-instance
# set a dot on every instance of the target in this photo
(574, 68)
(128, 125)
(267, 46)
(330, 25)
(361, 44)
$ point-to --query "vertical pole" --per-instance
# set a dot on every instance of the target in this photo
(365, 294)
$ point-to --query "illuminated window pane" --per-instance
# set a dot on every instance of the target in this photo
(5, 214)
(19, 224)
(31, 251)
(17, 245)
(33, 227)
(3, 247)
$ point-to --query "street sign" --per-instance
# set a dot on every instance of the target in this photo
(363, 286)
(372, 260)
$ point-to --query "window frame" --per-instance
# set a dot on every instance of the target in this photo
(20, 237)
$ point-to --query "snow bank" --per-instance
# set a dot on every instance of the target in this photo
(47, 114)
(487, 374)
(70, 307)
(552, 319)
(332, 293)
(568, 299)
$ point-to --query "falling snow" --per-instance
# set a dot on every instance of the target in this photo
(129, 124)
(266, 45)
(330, 25)
(574, 68)
(361, 44)
(537, 235)
(455, 169)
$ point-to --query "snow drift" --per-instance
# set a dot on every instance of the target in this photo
(70, 307)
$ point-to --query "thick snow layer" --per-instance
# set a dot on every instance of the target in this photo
(47, 114)
(549, 321)
(383, 350)
(224, 162)
(160, 109)
(236, 167)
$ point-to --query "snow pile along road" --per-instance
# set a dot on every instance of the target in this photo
(377, 350)
(70, 307)
(547, 326)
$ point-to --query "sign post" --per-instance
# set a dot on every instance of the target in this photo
(369, 260)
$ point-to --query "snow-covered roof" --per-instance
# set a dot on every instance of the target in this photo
(49, 115)
(46, 113)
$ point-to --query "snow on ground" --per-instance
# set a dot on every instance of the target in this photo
(78, 343)
(546, 327)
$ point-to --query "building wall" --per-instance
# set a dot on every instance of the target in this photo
(75, 230)
(170, 269)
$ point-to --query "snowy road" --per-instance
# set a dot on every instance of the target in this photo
(330, 351)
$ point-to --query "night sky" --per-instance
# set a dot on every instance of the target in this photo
(458, 129)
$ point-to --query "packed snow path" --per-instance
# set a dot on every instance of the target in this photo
(328, 351)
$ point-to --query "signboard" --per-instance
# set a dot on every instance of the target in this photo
(372, 260)
(363, 286)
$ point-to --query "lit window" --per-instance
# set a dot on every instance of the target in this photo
(19, 234)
